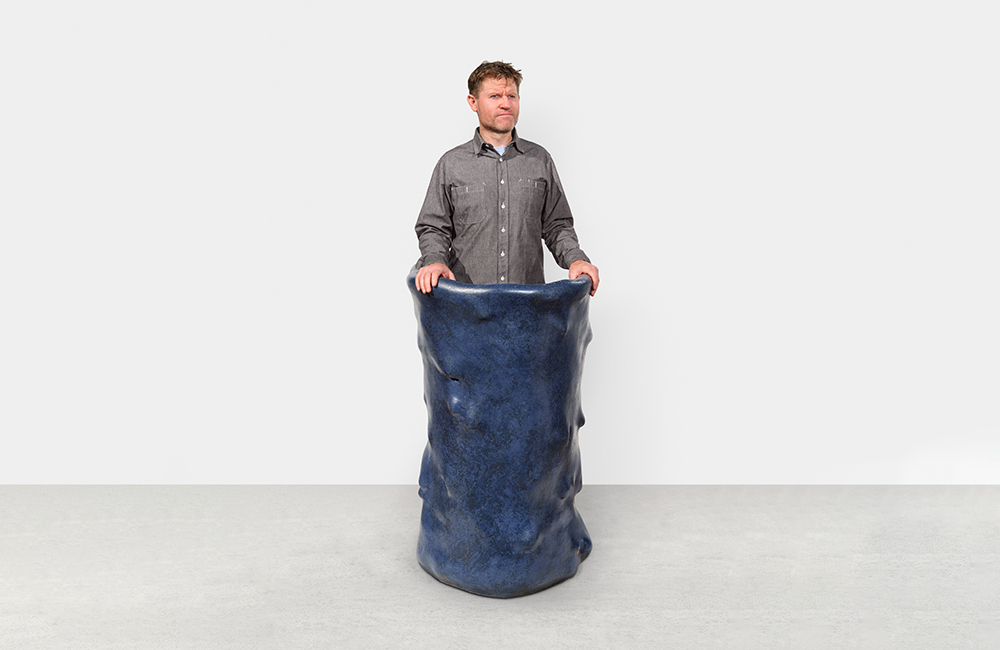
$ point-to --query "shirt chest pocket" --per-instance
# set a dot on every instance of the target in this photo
(469, 203)
(531, 197)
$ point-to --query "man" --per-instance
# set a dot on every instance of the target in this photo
(492, 200)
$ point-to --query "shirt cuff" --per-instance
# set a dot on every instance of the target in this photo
(432, 258)
(575, 256)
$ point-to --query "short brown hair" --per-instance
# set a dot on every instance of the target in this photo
(492, 70)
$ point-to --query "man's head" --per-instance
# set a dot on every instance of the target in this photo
(493, 70)
(494, 96)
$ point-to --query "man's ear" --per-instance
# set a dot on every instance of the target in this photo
(472, 103)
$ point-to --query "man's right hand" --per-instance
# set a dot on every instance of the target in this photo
(427, 276)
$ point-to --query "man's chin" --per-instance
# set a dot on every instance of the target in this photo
(498, 128)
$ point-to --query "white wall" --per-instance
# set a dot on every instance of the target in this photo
(207, 213)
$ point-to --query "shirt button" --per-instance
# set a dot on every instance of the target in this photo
(503, 205)
(502, 253)
(501, 160)
(501, 181)
(502, 278)
(503, 230)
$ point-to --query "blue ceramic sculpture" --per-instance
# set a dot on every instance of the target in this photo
(502, 372)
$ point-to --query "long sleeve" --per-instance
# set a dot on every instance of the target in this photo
(557, 223)
(435, 228)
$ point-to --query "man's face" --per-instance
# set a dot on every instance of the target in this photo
(497, 105)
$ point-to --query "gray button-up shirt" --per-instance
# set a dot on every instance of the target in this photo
(486, 214)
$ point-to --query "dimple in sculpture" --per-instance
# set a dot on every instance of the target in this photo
(502, 372)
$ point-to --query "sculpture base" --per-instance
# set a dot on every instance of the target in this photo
(494, 595)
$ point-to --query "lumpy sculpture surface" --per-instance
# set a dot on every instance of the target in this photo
(502, 372)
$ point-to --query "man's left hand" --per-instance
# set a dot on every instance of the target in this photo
(580, 267)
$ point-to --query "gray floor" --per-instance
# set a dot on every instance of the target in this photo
(334, 567)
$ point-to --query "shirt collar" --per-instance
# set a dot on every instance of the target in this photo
(479, 145)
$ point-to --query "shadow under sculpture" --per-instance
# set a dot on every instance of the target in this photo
(502, 372)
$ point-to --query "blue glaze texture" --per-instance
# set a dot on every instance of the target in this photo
(502, 372)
